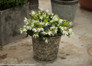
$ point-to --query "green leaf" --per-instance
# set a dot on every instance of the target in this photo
(29, 32)
(66, 24)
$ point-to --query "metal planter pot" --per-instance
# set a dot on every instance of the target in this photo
(46, 52)
(87, 4)
(65, 9)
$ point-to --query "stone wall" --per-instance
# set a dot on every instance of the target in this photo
(10, 22)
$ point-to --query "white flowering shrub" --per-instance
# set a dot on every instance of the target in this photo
(42, 25)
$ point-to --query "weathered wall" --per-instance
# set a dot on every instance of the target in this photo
(10, 22)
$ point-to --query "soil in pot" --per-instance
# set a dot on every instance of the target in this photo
(46, 51)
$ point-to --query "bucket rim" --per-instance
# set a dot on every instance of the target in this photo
(65, 2)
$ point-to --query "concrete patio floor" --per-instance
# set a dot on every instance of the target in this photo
(74, 51)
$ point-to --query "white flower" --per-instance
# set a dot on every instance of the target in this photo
(49, 33)
(40, 29)
(35, 35)
(41, 17)
(35, 30)
(25, 21)
(55, 31)
(46, 41)
(24, 29)
(52, 14)
(33, 12)
(32, 25)
(28, 27)
(47, 11)
(65, 28)
(52, 27)
(62, 28)
(43, 33)
(55, 18)
(44, 15)
(25, 26)
(46, 24)
(42, 23)
(65, 32)
(52, 21)
(70, 30)
(21, 31)
(71, 23)
(61, 20)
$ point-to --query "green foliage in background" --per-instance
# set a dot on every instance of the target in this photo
(13, 1)
(10, 3)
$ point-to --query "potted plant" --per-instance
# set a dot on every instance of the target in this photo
(87, 4)
(46, 30)
(12, 13)
(66, 9)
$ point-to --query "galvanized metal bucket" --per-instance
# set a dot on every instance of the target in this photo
(65, 9)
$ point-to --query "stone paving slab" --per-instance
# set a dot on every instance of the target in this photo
(74, 51)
